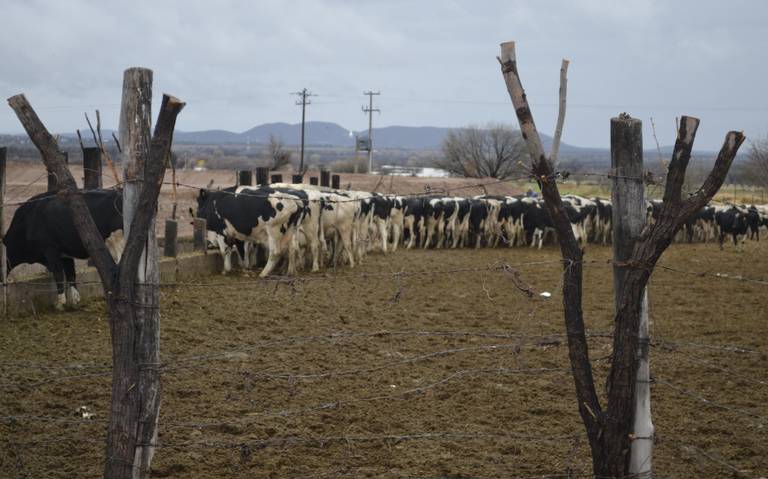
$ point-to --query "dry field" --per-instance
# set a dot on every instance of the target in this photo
(433, 375)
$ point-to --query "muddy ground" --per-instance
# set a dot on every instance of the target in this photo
(457, 374)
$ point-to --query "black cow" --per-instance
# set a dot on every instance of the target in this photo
(415, 211)
(42, 231)
(478, 215)
(731, 221)
(753, 222)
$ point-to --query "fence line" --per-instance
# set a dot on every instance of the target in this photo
(431, 192)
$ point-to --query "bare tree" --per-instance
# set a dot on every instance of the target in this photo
(609, 424)
(757, 162)
(278, 154)
(476, 152)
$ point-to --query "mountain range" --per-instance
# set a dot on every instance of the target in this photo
(320, 133)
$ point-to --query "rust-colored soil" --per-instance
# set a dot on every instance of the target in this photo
(439, 375)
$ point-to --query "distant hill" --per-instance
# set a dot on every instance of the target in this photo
(328, 134)
(320, 133)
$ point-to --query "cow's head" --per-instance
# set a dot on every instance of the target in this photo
(739, 222)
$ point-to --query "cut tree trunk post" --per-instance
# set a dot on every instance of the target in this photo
(199, 233)
(171, 244)
(52, 181)
(3, 258)
(244, 178)
(313, 180)
(91, 168)
(262, 175)
(276, 178)
(325, 178)
(296, 179)
(336, 182)
(629, 219)
(135, 388)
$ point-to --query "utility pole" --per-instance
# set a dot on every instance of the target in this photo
(304, 94)
(370, 111)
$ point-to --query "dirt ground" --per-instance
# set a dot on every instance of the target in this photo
(455, 375)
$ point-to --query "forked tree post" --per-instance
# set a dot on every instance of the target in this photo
(52, 178)
(130, 293)
(629, 219)
(610, 428)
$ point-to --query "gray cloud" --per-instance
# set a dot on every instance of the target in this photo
(236, 62)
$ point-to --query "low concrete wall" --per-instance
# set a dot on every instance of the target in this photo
(38, 293)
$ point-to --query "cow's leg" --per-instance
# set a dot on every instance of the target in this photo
(274, 253)
(346, 237)
(71, 293)
(396, 232)
(56, 267)
(224, 249)
(382, 227)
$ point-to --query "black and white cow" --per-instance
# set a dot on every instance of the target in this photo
(42, 231)
(265, 216)
(731, 221)
(603, 231)
(415, 212)
(478, 217)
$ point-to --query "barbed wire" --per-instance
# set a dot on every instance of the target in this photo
(709, 402)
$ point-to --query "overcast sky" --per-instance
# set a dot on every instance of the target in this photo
(235, 63)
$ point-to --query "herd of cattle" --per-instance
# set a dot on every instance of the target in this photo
(309, 227)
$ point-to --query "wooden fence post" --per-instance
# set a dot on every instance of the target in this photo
(336, 182)
(276, 178)
(3, 259)
(92, 168)
(199, 233)
(262, 175)
(296, 179)
(244, 178)
(325, 178)
(171, 244)
(136, 345)
(629, 219)
(52, 183)
(313, 180)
